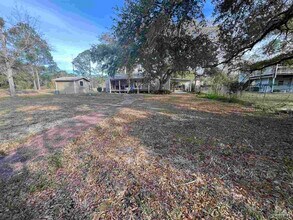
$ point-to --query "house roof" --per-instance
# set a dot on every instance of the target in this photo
(124, 76)
(70, 79)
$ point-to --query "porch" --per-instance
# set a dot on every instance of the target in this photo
(128, 85)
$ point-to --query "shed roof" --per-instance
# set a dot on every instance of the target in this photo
(70, 79)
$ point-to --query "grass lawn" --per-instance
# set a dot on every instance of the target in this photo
(278, 101)
(143, 157)
(268, 102)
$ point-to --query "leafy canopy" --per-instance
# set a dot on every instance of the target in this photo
(246, 24)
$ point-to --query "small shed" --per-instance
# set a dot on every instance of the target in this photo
(72, 85)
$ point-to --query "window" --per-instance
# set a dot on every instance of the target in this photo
(81, 83)
(280, 83)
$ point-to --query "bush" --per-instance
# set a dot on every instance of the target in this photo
(99, 89)
(234, 86)
(222, 98)
(162, 92)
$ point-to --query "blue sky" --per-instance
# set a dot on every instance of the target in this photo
(71, 26)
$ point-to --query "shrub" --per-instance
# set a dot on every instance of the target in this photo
(162, 92)
(99, 89)
(223, 98)
(234, 86)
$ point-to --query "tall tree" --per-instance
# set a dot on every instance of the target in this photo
(37, 56)
(164, 36)
(245, 25)
(83, 64)
(108, 55)
(15, 41)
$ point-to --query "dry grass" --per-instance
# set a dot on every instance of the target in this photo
(35, 108)
(191, 102)
(11, 146)
(150, 161)
(124, 179)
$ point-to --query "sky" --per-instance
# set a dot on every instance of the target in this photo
(71, 26)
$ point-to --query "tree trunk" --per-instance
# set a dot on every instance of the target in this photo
(11, 82)
(7, 63)
(35, 85)
(38, 80)
(160, 85)
(34, 78)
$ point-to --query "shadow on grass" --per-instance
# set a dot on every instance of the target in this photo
(157, 161)
(251, 153)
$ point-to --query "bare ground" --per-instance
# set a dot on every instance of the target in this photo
(129, 157)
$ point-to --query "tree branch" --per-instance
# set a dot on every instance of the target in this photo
(275, 23)
(270, 62)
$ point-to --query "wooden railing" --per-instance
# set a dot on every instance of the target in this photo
(284, 70)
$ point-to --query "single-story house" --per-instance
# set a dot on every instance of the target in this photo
(272, 79)
(72, 85)
(122, 83)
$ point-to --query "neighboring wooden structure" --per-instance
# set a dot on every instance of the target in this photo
(72, 85)
(272, 79)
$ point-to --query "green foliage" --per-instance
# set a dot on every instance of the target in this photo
(82, 64)
(223, 98)
(3, 81)
(221, 84)
(218, 82)
(108, 57)
(164, 37)
(49, 75)
(244, 25)
(23, 80)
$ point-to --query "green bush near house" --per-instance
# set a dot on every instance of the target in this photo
(162, 92)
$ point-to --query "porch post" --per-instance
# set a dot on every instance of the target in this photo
(137, 87)
(119, 86)
(110, 86)
(149, 88)
(274, 78)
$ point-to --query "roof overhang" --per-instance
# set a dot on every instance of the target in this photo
(71, 80)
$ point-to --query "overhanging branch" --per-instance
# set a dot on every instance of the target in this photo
(270, 62)
(273, 24)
